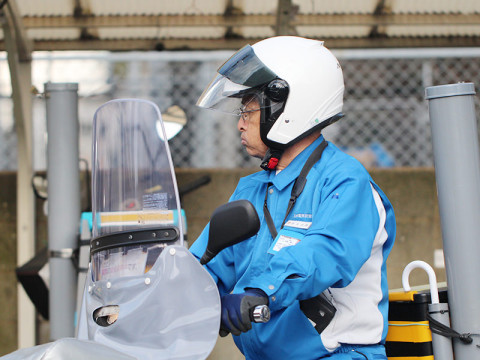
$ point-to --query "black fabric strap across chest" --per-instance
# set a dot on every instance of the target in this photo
(297, 189)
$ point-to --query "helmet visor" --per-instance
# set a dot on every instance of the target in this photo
(242, 76)
(245, 68)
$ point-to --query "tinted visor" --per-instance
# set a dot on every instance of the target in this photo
(245, 68)
(244, 74)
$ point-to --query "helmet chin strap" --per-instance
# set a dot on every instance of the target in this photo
(268, 118)
(271, 159)
(274, 153)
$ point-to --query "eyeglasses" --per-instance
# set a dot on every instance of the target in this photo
(244, 113)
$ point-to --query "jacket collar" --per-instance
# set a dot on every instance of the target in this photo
(292, 171)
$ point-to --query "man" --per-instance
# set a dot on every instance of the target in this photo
(319, 258)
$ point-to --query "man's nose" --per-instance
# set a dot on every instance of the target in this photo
(241, 124)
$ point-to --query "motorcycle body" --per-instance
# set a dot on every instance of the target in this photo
(146, 296)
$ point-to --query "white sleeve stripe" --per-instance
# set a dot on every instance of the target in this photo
(358, 319)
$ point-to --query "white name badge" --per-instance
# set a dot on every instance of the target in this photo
(298, 224)
(284, 241)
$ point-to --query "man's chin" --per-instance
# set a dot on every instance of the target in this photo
(256, 155)
(254, 152)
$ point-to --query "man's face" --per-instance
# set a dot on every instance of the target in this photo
(249, 127)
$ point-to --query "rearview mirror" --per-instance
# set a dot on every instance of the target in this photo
(230, 224)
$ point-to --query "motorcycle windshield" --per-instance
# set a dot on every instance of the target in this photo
(135, 206)
(133, 183)
(145, 295)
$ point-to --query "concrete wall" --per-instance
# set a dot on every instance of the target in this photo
(8, 289)
(411, 191)
(8, 248)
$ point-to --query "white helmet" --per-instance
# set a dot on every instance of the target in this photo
(298, 83)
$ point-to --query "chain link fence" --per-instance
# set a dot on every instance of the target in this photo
(386, 117)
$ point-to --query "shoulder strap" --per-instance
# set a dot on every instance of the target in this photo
(268, 216)
(297, 189)
(312, 160)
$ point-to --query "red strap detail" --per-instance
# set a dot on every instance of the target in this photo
(272, 163)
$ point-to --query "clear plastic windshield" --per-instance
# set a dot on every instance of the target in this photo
(122, 261)
(133, 179)
(141, 299)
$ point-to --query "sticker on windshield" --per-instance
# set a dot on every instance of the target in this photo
(157, 201)
(123, 264)
(135, 218)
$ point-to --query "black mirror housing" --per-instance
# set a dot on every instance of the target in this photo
(230, 224)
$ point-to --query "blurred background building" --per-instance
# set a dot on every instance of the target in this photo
(386, 122)
(168, 52)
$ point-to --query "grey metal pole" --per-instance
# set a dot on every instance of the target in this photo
(442, 346)
(457, 171)
(63, 204)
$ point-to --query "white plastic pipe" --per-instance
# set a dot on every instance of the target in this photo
(432, 278)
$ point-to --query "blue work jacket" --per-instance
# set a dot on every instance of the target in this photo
(335, 241)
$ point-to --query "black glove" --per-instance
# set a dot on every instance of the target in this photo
(237, 310)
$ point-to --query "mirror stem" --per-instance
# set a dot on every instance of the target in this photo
(206, 257)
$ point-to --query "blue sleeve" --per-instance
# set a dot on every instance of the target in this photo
(222, 266)
(330, 253)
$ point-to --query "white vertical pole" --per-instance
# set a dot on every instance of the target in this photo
(25, 209)
(19, 62)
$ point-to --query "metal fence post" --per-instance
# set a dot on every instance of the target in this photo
(457, 171)
(63, 204)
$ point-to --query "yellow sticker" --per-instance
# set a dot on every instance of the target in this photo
(136, 218)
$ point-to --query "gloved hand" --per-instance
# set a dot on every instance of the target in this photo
(237, 310)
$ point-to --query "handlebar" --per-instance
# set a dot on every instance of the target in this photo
(261, 314)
